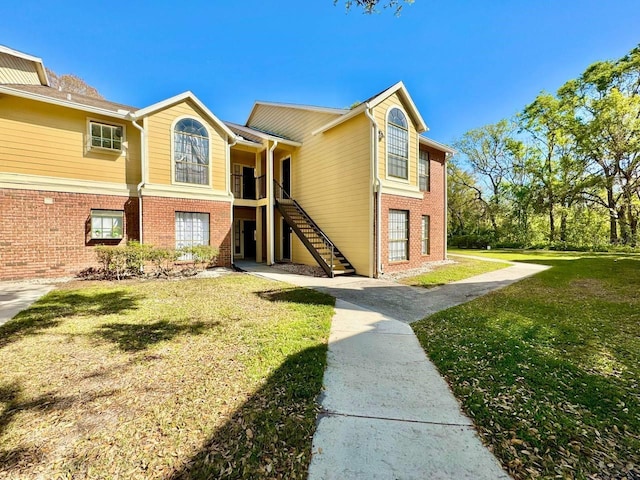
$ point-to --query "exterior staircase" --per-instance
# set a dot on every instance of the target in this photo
(332, 261)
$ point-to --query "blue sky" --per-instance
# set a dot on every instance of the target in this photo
(466, 63)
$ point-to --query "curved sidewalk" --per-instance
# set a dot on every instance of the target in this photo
(386, 411)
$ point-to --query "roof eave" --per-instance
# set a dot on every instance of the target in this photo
(335, 122)
(437, 145)
(143, 112)
(121, 114)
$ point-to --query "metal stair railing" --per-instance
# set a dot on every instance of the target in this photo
(281, 194)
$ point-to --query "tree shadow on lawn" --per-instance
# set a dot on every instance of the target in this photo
(10, 396)
(297, 295)
(52, 309)
(134, 337)
(270, 435)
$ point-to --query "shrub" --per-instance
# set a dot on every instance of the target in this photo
(163, 260)
(202, 255)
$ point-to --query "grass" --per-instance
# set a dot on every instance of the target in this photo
(549, 368)
(211, 378)
(461, 269)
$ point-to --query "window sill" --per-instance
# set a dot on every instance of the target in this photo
(398, 262)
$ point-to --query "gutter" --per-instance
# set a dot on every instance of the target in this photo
(143, 169)
(376, 187)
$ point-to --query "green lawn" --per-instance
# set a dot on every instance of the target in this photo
(443, 274)
(549, 368)
(211, 378)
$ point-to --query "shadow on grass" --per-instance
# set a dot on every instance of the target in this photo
(53, 308)
(270, 435)
(297, 295)
(134, 337)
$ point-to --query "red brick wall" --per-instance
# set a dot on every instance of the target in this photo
(39, 239)
(159, 224)
(432, 204)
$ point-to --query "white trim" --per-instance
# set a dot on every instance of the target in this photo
(180, 98)
(89, 148)
(42, 72)
(399, 87)
(120, 114)
(263, 135)
(347, 116)
(180, 191)
(386, 145)
(410, 191)
(21, 181)
(436, 145)
(172, 153)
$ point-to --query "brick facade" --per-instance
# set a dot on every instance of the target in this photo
(47, 234)
(432, 204)
(159, 226)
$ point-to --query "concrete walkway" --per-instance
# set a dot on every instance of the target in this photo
(15, 297)
(386, 411)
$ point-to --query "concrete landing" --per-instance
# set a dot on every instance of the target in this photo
(15, 297)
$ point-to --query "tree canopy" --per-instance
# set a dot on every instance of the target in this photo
(371, 6)
(573, 157)
(72, 84)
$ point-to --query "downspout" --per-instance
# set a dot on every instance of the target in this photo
(377, 190)
(270, 217)
(143, 171)
(446, 204)
(230, 193)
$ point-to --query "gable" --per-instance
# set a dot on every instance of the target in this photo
(291, 123)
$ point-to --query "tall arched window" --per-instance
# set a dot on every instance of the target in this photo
(397, 144)
(191, 152)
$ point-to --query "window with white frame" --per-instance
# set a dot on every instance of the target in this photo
(398, 235)
(426, 221)
(424, 171)
(107, 224)
(105, 136)
(397, 144)
(192, 229)
(191, 152)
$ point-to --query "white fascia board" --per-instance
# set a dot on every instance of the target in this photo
(180, 98)
(400, 88)
(437, 145)
(120, 114)
(352, 113)
(265, 136)
(42, 73)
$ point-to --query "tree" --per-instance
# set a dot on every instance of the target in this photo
(605, 125)
(489, 151)
(72, 84)
(370, 6)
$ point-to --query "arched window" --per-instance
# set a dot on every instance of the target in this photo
(191, 152)
(397, 144)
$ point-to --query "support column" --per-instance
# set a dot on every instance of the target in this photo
(270, 206)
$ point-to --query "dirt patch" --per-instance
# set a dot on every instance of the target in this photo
(300, 269)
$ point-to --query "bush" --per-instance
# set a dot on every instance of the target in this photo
(163, 260)
(131, 260)
(471, 241)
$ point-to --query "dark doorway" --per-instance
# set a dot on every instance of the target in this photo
(249, 237)
(286, 175)
(286, 240)
(248, 183)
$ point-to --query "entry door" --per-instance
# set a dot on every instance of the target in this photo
(248, 183)
(286, 240)
(249, 237)
(286, 175)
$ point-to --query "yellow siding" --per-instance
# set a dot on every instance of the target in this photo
(17, 70)
(291, 123)
(331, 179)
(160, 155)
(48, 140)
(380, 114)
